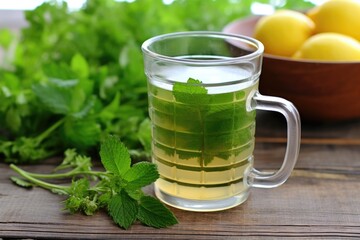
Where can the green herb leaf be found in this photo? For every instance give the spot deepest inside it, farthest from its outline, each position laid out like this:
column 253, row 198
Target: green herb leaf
column 56, row 99
column 13, row 119
column 21, row 182
column 26, row 150
column 123, row 209
column 81, row 198
column 86, row 108
column 115, row 156
column 153, row 213
column 140, row 175
column 191, row 92
column 81, row 133
column 80, row 66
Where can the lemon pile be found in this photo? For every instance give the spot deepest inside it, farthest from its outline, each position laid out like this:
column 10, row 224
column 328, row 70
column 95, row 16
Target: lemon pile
column 328, row 32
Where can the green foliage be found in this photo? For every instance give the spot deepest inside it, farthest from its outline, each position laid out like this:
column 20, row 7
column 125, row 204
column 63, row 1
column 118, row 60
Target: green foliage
column 117, row 190
column 85, row 68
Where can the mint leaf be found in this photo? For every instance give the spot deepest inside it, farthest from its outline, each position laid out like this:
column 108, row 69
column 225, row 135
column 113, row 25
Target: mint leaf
column 191, row 92
column 153, row 213
column 59, row 71
column 135, row 194
column 80, row 66
column 140, row 175
column 109, row 112
column 85, row 108
column 123, row 209
column 114, row 156
column 56, row 99
column 81, row 133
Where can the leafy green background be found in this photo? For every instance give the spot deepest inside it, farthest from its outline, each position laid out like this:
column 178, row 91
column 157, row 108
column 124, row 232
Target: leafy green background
column 74, row 76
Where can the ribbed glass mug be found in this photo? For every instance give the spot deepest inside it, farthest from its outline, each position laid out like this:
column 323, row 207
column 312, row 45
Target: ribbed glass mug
column 203, row 95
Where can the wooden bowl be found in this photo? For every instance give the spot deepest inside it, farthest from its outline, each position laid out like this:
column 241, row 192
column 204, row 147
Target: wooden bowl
column 321, row 91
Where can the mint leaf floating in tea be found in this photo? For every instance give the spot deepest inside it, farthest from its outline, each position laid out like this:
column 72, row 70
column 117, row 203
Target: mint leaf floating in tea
column 116, row 190
column 191, row 92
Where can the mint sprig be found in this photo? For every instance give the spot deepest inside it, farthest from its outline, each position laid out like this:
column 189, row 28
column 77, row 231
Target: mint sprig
column 118, row 189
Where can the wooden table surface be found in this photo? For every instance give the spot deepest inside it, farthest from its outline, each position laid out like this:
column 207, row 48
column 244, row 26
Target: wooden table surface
column 320, row 200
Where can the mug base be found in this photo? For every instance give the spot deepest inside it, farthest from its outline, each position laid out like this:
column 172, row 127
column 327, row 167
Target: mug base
column 201, row 205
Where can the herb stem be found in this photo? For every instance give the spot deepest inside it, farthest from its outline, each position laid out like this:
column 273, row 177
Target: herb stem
column 48, row 131
column 69, row 174
column 48, row 186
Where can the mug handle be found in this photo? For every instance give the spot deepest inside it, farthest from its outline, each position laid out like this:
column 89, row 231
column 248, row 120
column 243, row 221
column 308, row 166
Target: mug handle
column 255, row 178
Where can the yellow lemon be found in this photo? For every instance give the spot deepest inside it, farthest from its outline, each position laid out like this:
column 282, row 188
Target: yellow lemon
column 283, row 32
column 341, row 16
column 330, row 47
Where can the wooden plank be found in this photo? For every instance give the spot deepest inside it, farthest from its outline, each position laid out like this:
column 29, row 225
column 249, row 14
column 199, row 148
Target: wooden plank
column 311, row 157
column 319, row 200
column 261, row 216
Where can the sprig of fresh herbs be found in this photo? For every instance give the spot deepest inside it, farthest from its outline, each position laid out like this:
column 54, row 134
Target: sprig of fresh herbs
column 117, row 190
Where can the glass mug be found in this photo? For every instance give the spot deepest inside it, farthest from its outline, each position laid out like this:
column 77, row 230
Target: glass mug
column 203, row 93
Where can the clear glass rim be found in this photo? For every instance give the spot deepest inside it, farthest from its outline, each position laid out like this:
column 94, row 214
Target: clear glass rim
column 211, row 34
